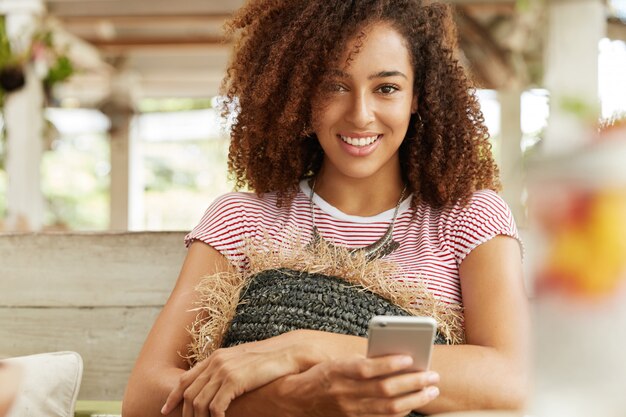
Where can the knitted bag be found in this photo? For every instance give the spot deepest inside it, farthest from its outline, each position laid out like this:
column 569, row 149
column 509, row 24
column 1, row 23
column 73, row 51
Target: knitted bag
column 281, row 300
column 277, row 301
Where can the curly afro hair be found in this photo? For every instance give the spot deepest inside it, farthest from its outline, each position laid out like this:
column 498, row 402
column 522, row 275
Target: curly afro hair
column 283, row 53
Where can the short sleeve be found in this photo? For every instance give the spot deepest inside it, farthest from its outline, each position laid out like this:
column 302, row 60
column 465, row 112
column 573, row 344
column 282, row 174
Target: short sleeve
column 485, row 216
column 223, row 227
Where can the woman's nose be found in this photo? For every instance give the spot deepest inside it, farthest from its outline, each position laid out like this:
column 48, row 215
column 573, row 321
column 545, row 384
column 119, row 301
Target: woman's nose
column 361, row 113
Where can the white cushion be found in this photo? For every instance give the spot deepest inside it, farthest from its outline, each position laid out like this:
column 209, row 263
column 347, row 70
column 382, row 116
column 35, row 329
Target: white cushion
column 49, row 384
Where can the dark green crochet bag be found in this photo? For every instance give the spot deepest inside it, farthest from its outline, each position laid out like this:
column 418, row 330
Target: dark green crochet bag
column 281, row 300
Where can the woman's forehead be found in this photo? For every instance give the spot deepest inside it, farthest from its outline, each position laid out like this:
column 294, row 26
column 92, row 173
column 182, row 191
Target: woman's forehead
column 377, row 49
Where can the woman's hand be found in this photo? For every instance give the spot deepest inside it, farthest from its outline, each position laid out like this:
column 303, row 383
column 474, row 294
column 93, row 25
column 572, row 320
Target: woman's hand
column 228, row 373
column 10, row 376
column 360, row 387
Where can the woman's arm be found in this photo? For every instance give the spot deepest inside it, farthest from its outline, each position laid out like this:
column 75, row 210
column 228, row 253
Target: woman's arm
column 159, row 366
column 329, row 371
column 349, row 387
column 491, row 370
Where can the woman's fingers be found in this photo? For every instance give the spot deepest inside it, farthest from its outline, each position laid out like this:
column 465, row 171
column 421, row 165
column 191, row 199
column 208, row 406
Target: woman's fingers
column 364, row 387
column 224, row 376
column 194, row 380
column 367, row 368
column 405, row 403
column 400, row 384
column 194, row 397
column 236, row 378
column 186, row 379
column 383, row 386
column 399, row 405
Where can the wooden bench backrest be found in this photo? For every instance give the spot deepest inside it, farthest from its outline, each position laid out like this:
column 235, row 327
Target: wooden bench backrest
column 94, row 293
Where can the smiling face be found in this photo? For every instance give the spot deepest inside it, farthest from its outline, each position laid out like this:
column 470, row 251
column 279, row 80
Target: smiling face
column 363, row 116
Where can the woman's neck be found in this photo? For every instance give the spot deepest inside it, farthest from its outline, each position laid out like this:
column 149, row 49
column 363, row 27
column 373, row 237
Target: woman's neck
column 359, row 197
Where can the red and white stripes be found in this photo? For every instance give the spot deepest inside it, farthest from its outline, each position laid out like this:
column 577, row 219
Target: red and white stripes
column 433, row 242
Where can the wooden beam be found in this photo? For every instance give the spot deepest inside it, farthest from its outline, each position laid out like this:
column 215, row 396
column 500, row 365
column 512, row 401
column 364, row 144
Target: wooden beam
column 64, row 8
column 488, row 60
column 149, row 42
column 616, row 29
column 144, row 20
column 483, row 35
column 481, row 2
column 503, row 7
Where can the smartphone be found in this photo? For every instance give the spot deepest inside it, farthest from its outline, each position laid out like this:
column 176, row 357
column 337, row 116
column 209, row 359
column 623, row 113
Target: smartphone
column 402, row 335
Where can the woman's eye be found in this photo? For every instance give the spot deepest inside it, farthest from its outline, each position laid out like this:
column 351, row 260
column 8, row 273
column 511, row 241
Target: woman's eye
column 337, row 88
column 388, row 89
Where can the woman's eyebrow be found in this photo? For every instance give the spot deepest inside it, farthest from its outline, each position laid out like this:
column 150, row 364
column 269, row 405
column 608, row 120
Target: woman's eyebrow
column 385, row 74
column 382, row 74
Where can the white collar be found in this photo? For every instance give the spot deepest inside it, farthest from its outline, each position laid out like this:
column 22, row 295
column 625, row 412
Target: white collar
column 385, row 216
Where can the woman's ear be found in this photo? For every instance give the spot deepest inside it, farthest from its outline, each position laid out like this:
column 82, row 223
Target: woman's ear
column 414, row 104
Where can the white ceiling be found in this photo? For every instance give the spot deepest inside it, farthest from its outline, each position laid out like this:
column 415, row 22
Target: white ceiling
column 174, row 48
column 168, row 48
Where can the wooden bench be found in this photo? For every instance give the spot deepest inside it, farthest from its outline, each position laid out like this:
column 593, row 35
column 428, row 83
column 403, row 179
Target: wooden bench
column 94, row 293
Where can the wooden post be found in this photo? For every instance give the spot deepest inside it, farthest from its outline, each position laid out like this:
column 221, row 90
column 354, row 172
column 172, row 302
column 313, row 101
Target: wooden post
column 120, row 109
column 23, row 113
column 511, row 164
column 571, row 76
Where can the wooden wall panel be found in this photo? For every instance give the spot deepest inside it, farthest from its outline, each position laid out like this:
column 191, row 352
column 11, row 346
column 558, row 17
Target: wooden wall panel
column 111, row 269
column 108, row 339
column 96, row 294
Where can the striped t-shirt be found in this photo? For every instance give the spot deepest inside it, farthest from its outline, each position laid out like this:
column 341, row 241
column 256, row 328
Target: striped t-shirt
column 433, row 242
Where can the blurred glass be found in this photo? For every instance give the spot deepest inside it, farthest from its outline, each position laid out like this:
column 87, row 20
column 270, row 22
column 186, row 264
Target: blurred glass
column 577, row 205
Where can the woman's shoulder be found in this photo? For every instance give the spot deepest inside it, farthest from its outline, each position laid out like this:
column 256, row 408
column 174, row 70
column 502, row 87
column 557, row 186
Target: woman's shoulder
column 229, row 215
column 240, row 200
column 487, row 196
column 483, row 209
column 483, row 216
column 486, row 201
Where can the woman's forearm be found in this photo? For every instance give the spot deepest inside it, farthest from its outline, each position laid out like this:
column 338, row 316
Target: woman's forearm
column 471, row 377
column 477, row 377
column 146, row 394
column 267, row 401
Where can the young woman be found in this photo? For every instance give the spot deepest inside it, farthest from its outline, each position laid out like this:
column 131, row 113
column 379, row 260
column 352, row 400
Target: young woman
column 353, row 124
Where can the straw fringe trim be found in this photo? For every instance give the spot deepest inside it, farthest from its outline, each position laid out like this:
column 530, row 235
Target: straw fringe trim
column 219, row 293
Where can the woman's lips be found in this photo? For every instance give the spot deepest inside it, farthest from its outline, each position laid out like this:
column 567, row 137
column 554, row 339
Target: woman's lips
column 358, row 150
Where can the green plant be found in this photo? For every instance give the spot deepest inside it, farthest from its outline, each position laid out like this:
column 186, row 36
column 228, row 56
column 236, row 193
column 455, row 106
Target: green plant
column 53, row 64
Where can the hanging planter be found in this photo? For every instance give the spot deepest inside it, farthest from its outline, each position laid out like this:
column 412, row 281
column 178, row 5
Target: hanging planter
column 51, row 65
column 12, row 78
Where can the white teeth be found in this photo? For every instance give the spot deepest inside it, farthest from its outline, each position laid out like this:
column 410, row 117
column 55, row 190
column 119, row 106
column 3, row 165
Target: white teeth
column 359, row 141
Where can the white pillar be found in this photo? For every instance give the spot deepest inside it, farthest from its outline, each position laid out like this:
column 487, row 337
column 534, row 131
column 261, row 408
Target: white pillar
column 511, row 163
column 23, row 112
column 571, row 75
column 120, row 110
